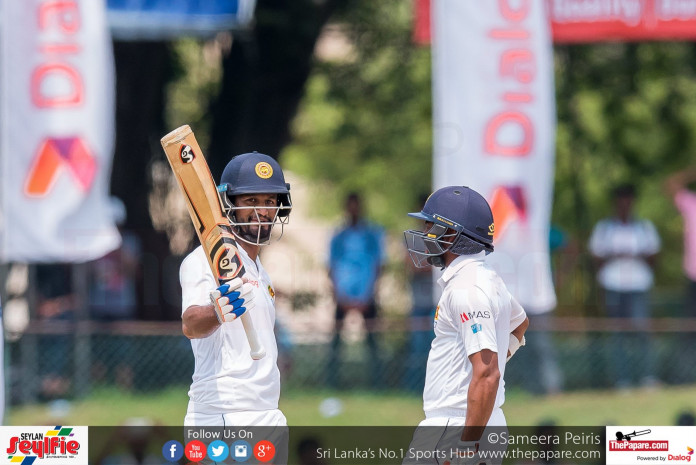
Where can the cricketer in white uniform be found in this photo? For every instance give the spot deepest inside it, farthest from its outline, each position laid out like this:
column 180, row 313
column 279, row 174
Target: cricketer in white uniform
column 478, row 326
column 229, row 388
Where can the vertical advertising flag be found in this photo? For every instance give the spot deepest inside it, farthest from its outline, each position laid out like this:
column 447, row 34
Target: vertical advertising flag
column 494, row 125
column 57, row 130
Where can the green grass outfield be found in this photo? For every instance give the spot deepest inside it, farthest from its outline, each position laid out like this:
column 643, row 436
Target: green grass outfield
column 590, row 408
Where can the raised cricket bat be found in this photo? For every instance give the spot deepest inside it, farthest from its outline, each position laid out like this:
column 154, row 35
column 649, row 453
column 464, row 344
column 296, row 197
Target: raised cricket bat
column 204, row 205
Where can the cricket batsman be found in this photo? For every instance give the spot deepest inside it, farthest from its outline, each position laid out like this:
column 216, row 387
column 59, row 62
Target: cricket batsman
column 229, row 388
column 478, row 326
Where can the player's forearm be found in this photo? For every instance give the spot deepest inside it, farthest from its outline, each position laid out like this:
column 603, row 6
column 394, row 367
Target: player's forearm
column 521, row 329
column 199, row 321
column 518, row 333
column 480, row 403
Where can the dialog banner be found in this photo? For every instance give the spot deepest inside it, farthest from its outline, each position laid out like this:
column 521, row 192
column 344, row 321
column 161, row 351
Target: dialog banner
column 57, row 103
column 494, row 129
column 602, row 20
column 579, row 21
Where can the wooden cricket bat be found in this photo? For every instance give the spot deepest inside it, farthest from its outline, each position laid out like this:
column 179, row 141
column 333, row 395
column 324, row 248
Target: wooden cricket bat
column 212, row 226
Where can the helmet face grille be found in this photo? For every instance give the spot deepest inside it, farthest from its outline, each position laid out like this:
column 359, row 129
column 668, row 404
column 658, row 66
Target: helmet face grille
column 258, row 227
column 422, row 245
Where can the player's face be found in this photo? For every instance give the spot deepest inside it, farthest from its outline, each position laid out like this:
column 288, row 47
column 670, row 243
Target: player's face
column 624, row 206
column 256, row 209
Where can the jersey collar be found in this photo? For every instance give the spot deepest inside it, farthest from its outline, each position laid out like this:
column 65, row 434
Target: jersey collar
column 246, row 259
column 459, row 263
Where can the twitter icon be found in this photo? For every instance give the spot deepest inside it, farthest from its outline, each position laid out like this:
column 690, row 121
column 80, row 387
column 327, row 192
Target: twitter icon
column 218, row 451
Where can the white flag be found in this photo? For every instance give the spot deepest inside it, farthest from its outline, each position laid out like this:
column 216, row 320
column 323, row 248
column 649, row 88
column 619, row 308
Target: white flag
column 57, row 131
column 494, row 124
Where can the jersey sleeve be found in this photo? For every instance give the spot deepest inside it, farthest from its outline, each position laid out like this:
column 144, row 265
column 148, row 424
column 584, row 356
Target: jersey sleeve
column 652, row 240
column 517, row 314
column 196, row 282
column 475, row 319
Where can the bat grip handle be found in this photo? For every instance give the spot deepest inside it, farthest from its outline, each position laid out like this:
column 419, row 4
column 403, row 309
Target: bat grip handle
column 257, row 350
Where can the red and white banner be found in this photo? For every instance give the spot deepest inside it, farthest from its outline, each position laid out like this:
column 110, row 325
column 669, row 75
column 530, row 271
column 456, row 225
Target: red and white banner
column 57, row 114
column 494, row 127
column 601, row 20
column 576, row 21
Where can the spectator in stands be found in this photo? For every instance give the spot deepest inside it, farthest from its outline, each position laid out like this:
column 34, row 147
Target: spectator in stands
column 112, row 277
column 685, row 418
column 356, row 259
column 112, row 297
column 625, row 249
column 677, row 187
column 56, row 302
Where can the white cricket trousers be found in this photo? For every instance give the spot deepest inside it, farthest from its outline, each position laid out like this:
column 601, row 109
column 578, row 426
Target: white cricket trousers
column 440, row 432
column 270, row 425
column 246, row 418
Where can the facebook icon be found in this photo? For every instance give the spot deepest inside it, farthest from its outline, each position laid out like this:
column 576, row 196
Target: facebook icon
column 172, row 451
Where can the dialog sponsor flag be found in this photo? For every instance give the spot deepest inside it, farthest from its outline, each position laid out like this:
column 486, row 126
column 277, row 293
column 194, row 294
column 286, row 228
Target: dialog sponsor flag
column 57, row 129
column 494, row 124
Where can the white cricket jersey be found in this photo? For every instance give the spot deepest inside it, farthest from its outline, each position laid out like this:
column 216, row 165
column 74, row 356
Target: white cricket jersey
column 225, row 378
column 475, row 312
column 627, row 244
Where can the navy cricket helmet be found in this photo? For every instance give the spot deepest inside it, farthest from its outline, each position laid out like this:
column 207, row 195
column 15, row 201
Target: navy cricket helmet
column 256, row 173
column 462, row 223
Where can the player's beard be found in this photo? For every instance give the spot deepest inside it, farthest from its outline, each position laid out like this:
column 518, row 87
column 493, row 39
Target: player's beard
column 250, row 232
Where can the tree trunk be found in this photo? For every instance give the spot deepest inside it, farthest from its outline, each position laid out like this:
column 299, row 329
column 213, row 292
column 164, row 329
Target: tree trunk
column 264, row 78
column 142, row 72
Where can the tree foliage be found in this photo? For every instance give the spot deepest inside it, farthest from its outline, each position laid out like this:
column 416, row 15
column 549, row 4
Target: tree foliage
column 365, row 121
column 626, row 113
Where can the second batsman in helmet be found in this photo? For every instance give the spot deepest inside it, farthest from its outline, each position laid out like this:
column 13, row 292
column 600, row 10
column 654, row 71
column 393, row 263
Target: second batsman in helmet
column 478, row 324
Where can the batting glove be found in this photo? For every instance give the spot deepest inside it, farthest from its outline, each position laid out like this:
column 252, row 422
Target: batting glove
column 231, row 300
column 514, row 345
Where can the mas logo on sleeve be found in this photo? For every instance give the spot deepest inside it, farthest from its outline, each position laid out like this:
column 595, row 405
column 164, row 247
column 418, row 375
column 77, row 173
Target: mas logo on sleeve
column 64, row 445
column 466, row 316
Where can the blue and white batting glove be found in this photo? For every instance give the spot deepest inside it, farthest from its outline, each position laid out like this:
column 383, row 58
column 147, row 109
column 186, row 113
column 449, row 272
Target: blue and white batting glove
column 232, row 299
